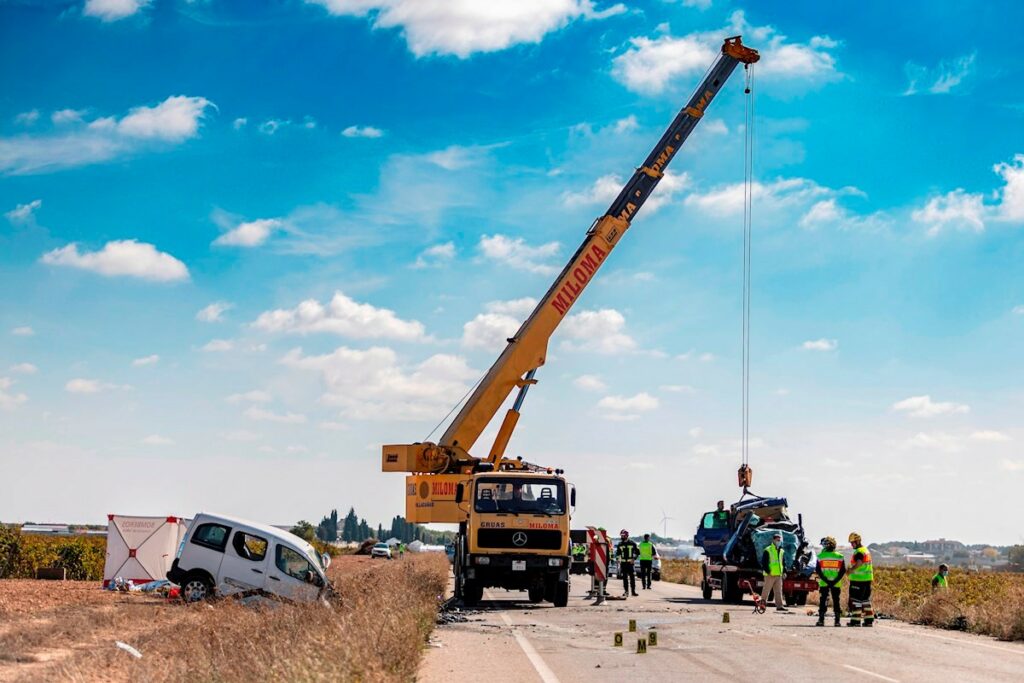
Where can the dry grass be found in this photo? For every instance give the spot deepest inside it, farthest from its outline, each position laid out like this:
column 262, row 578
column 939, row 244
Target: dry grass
column 376, row 634
column 681, row 571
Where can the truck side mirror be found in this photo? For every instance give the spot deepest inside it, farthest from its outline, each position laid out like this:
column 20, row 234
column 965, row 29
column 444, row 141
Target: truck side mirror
column 460, row 491
column 572, row 496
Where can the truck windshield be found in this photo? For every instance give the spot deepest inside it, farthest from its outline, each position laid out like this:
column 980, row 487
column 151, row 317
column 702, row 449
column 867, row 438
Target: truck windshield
column 513, row 494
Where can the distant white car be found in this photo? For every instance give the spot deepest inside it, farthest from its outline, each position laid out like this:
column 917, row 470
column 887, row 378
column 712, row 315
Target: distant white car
column 222, row 555
column 381, row 550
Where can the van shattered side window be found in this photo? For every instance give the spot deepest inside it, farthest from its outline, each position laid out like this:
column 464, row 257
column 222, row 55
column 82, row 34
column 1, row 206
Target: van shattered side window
column 249, row 547
column 294, row 564
column 214, row 536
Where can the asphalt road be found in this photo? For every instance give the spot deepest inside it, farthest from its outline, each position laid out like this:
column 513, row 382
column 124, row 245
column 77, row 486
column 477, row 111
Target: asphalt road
column 508, row 639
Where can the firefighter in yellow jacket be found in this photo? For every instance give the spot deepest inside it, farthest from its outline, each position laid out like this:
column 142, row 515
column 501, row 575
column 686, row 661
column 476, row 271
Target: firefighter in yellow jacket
column 861, row 576
column 831, row 569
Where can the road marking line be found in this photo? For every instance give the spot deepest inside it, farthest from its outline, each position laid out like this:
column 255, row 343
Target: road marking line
column 545, row 673
column 964, row 641
column 742, row 633
column 870, row 673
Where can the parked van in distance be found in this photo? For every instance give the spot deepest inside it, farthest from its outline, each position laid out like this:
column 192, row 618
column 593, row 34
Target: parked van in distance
column 222, row 555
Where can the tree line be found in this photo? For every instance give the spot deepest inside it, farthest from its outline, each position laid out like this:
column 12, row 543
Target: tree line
column 353, row 528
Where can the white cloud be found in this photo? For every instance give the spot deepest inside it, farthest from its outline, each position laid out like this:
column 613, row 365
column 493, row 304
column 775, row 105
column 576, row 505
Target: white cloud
column 213, row 312
column 626, row 125
column 157, row 440
column 371, row 384
column 937, row 441
column 113, row 10
column 342, row 316
column 1018, row 310
column 332, row 426
column 241, row 435
column 24, row 369
column 455, row 157
column 27, row 118
column 464, row 28
column 172, row 121
column 271, row 126
column 499, row 321
column 820, row 345
column 627, row 407
column 362, row 132
column 63, row 116
column 727, row 200
column 601, row 331
column 678, row 388
column 23, row 212
column 1012, row 465
column 254, row 396
column 705, row 357
column 956, row 209
column 822, row 212
column 254, row 413
column 437, row 255
column 695, row 432
column 90, row 386
column 650, row 65
column 146, row 360
column 969, row 211
column 218, row 346
column 714, row 127
column 23, row 331
column 516, row 253
column 990, row 435
column 121, row 257
column 239, row 123
column 9, row 400
column 942, row 79
column 590, row 383
column 250, row 233
column 923, row 406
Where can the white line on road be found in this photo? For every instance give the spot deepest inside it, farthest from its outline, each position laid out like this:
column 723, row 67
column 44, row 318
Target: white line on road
column 870, row 673
column 963, row 641
column 542, row 669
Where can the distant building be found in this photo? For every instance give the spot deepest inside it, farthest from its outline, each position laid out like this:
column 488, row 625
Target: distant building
column 46, row 529
column 943, row 547
column 920, row 558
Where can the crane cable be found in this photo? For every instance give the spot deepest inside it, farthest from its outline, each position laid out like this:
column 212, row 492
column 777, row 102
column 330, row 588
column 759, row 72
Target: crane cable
column 748, row 196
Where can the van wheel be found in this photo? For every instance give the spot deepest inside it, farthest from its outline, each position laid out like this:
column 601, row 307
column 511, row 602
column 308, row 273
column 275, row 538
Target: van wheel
column 196, row 588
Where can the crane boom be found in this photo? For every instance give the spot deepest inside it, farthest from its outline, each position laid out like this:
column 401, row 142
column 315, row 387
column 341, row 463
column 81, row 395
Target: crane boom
column 527, row 349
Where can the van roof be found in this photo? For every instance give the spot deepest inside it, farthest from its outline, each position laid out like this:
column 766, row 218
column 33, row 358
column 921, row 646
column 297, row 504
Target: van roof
column 267, row 529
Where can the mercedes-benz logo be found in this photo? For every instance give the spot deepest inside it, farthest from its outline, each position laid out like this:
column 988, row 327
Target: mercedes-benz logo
column 519, row 538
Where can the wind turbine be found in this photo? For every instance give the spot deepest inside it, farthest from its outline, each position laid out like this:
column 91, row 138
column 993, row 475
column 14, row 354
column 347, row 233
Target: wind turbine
column 664, row 523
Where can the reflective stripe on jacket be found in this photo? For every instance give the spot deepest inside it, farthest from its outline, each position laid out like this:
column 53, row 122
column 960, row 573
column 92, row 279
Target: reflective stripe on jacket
column 830, row 566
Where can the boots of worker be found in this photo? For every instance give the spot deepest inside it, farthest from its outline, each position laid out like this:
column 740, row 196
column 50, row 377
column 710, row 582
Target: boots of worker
column 821, row 621
column 838, row 622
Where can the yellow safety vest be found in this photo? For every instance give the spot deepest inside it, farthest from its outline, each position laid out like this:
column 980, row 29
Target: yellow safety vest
column 829, row 564
column 774, row 561
column 864, row 571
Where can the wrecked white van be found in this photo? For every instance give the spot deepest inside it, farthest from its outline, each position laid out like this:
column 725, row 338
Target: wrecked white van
column 223, row 556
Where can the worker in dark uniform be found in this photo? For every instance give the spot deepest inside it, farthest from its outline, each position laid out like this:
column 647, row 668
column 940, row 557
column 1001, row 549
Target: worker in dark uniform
column 861, row 576
column 831, row 569
column 721, row 516
column 627, row 552
column 647, row 554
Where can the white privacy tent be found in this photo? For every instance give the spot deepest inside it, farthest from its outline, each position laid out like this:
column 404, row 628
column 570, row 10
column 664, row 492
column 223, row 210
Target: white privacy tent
column 141, row 549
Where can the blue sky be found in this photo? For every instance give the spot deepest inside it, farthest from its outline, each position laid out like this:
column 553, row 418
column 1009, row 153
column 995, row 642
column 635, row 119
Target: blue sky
column 244, row 244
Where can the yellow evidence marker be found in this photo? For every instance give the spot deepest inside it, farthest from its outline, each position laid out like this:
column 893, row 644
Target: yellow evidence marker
column 725, row 617
column 641, row 646
column 618, row 639
column 632, row 625
column 652, row 638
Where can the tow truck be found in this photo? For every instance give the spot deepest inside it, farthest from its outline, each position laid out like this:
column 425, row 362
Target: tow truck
column 513, row 516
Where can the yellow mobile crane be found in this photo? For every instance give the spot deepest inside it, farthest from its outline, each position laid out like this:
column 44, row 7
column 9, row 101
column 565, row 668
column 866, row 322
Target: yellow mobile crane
column 514, row 516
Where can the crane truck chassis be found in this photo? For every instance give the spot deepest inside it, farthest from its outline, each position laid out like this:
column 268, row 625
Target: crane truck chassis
column 513, row 516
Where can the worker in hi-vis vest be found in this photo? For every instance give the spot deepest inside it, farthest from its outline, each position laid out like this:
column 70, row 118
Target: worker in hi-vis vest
column 940, row 581
column 626, row 553
column 647, row 554
column 830, row 570
column 771, row 565
column 861, row 575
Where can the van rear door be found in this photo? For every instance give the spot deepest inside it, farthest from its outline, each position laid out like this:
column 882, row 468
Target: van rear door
column 244, row 568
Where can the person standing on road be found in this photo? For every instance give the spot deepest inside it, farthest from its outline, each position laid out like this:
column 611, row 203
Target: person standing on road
column 771, row 565
column 940, row 582
column 831, row 569
column 647, row 554
column 626, row 552
column 861, row 575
